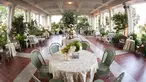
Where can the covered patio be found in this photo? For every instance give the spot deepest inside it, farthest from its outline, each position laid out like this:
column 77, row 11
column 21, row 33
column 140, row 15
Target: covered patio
column 72, row 41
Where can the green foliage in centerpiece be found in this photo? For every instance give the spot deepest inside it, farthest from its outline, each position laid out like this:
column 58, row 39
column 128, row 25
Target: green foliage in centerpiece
column 75, row 44
column 66, row 48
column 78, row 45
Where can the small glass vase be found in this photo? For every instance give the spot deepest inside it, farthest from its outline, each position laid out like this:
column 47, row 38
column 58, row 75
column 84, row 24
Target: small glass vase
column 67, row 56
column 75, row 55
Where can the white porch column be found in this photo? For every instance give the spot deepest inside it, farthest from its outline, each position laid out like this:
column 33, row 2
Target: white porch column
column 89, row 20
column 128, row 11
column 45, row 21
column 42, row 19
column 50, row 23
column 100, row 20
column 94, row 22
column 29, row 16
column 36, row 16
column 110, row 19
column 38, row 19
column 25, row 15
column 11, row 9
column 103, row 19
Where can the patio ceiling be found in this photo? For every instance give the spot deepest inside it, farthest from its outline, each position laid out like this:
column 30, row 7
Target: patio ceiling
column 59, row 6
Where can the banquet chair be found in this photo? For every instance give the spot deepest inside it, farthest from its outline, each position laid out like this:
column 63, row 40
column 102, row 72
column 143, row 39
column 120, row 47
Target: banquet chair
column 107, row 59
column 122, row 41
column 11, row 48
column 38, row 61
column 52, row 80
column 54, row 47
column 33, row 40
column 141, row 49
column 35, row 78
column 110, row 36
column 85, row 45
column 118, row 79
column 56, row 80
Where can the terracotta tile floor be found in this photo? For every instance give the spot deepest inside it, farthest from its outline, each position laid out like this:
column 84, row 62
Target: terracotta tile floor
column 10, row 70
column 132, row 64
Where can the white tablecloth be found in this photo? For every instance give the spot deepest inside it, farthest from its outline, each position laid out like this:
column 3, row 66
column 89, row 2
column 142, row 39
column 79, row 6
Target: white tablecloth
column 74, row 70
column 11, row 47
column 66, row 41
column 129, row 45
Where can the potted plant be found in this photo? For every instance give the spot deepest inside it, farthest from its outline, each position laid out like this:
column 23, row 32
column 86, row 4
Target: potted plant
column 55, row 27
column 143, row 38
column 19, row 28
column 21, row 38
column 69, row 18
column 134, row 37
column 3, row 36
column 86, row 32
column 103, row 32
column 121, row 21
column 82, row 23
column 115, row 39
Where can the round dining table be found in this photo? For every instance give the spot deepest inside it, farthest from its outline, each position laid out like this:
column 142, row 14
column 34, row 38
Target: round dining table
column 74, row 70
column 129, row 45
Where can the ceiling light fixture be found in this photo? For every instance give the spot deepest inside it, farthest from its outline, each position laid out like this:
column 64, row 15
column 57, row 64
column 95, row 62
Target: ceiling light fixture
column 70, row 3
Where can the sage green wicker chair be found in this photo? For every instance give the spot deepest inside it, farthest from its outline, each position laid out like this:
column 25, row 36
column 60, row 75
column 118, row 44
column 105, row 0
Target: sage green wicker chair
column 56, row 80
column 107, row 59
column 38, row 61
column 52, row 80
column 118, row 79
column 35, row 79
column 85, row 45
column 54, row 47
column 98, row 80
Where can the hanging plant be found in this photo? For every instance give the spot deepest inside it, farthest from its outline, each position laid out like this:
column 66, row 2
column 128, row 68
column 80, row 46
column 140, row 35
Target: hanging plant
column 120, row 20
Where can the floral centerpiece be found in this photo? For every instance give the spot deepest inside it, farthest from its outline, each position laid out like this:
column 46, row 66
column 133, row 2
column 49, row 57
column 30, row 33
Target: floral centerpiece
column 74, row 46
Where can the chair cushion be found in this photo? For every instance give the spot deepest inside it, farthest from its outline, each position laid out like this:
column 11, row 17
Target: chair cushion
column 44, row 72
column 56, row 80
column 98, row 80
column 44, row 68
column 103, row 67
column 45, row 75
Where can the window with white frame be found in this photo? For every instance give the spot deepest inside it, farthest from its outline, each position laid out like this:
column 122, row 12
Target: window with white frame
column 139, row 18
